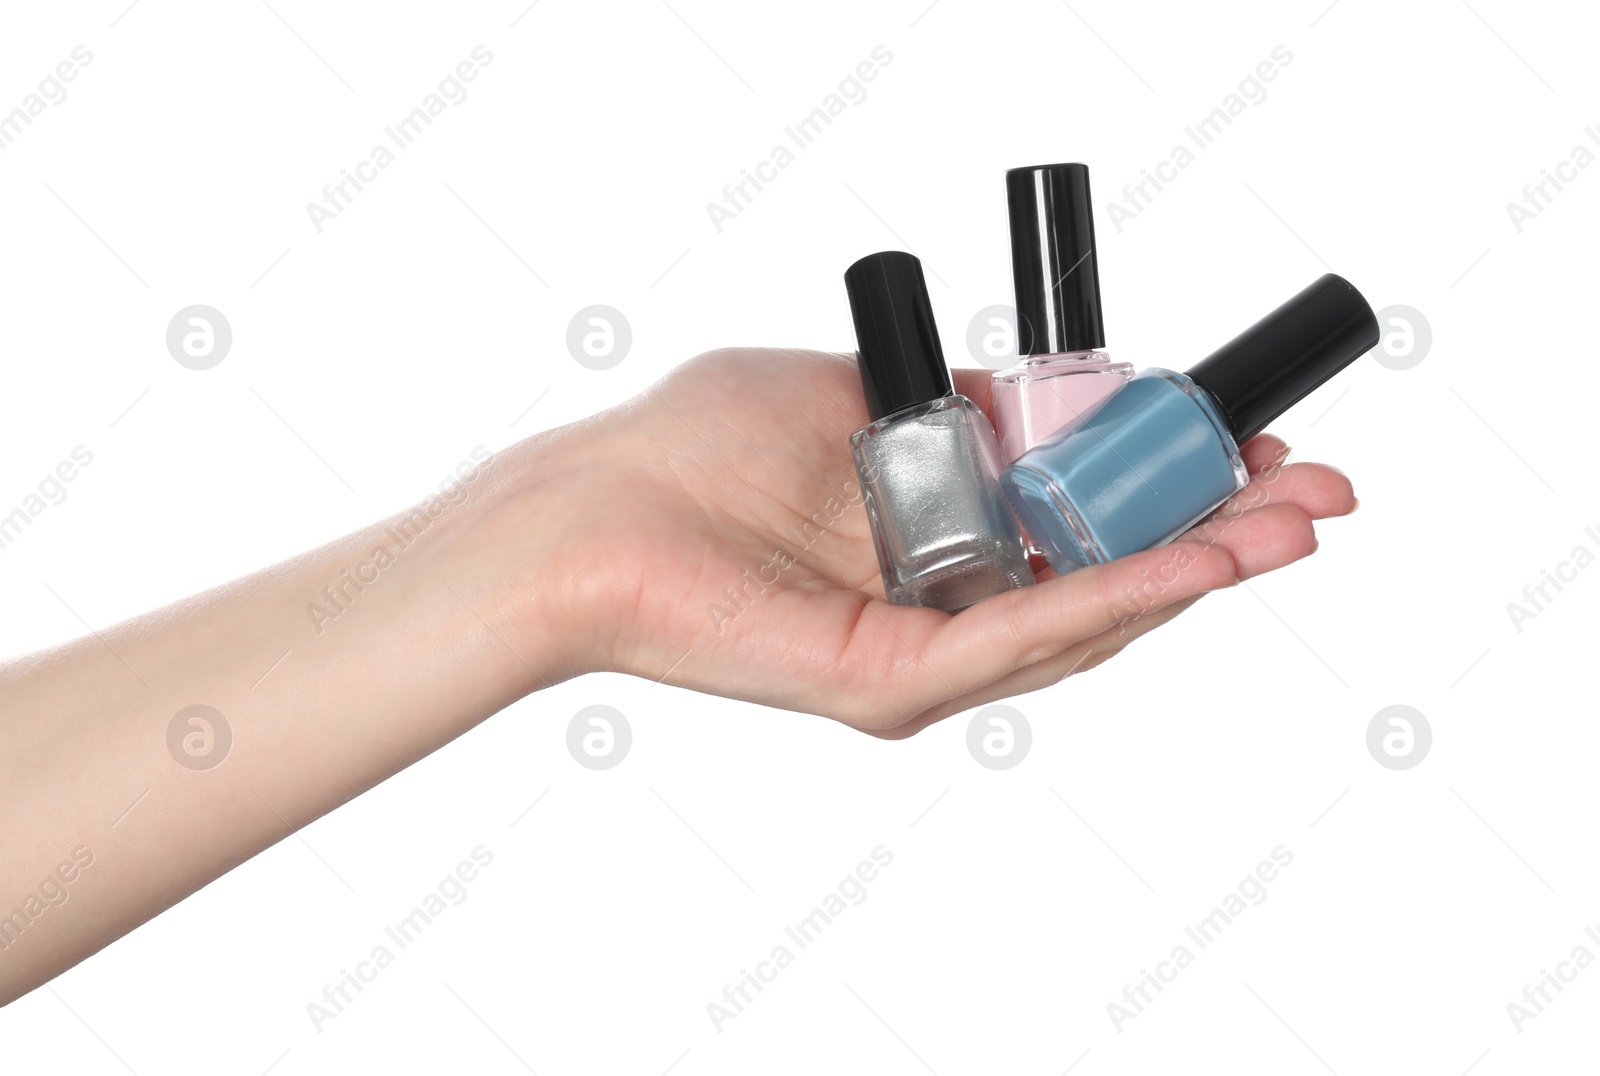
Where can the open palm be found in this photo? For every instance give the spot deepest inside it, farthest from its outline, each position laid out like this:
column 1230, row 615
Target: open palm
column 725, row 549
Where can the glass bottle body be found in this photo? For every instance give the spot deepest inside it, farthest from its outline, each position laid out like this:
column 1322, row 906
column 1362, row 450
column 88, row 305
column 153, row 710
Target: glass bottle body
column 944, row 534
column 1152, row 460
column 1044, row 393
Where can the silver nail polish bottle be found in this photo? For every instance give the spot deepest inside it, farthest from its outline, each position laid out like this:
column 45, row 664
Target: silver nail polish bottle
column 928, row 460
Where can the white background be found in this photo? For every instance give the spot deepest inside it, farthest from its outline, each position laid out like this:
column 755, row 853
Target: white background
column 428, row 317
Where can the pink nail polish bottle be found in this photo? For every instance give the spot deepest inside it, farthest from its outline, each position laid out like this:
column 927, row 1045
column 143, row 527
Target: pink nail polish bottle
column 1064, row 375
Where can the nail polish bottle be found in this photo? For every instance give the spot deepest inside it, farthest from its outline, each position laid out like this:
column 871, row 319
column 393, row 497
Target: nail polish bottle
column 1162, row 453
column 928, row 460
column 1063, row 374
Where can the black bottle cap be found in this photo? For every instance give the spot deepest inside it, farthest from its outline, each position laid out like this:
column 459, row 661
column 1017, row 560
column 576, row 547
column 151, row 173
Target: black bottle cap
column 1275, row 363
column 897, row 342
column 1052, row 259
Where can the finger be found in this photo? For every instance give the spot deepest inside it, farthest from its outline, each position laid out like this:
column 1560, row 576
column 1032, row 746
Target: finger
column 1080, row 658
column 910, row 659
column 1132, row 596
column 1320, row 490
column 1112, row 640
column 1259, row 541
column 1263, row 450
column 1013, row 630
column 1315, row 491
column 955, row 657
column 1036, row 677
column 976, row 385
column 985, row 653
column 1266, row 539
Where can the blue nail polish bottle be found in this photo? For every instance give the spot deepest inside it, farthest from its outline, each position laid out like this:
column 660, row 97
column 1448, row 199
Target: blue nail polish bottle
column 1162, row 452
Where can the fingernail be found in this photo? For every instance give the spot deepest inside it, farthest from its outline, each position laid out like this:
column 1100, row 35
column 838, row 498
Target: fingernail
column 1355, row 502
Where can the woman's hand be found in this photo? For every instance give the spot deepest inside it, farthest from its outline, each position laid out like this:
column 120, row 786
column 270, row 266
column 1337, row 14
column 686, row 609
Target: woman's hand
column 709, row 533
column 712, row 535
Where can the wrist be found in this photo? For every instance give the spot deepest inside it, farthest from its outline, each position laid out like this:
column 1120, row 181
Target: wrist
column 509, row 567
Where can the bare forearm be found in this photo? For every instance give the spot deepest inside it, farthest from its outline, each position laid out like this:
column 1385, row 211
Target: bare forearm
column 321, row 677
